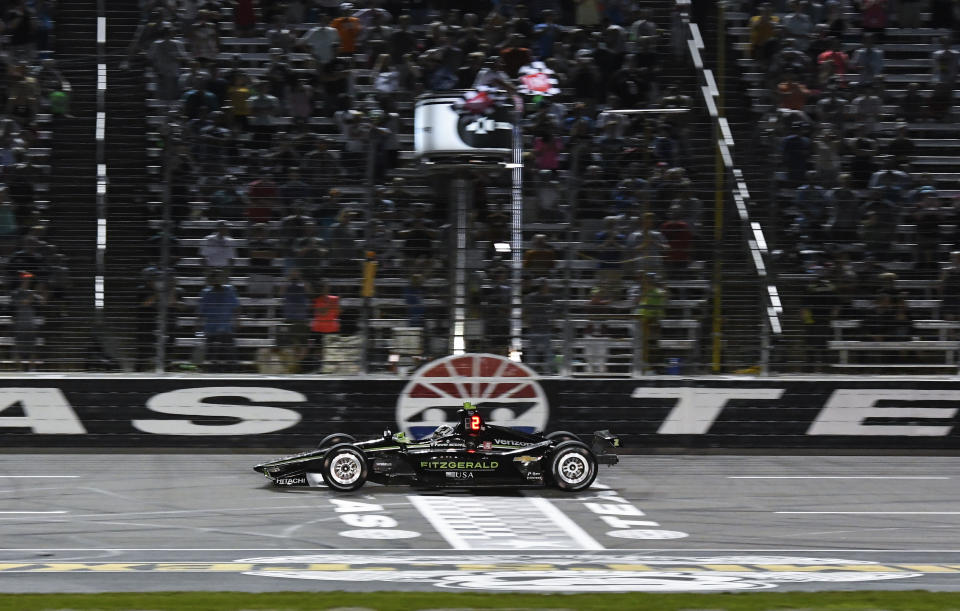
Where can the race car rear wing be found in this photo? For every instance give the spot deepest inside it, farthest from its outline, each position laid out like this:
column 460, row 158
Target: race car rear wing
column 603, row 447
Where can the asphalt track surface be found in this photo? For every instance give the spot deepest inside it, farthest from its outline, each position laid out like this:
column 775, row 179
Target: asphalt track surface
column 91, row 523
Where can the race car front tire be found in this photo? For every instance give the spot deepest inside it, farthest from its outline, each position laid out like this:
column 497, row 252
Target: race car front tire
column 573, row 466
column 329, row 440
column 344, row 468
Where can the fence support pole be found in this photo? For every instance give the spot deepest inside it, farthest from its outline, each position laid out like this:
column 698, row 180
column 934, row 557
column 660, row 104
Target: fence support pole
column 718, row 211
column 164, row 297
column 460, row 188
column 570, row 255
column 516, row 237
column 764, row 333
column 639, row 361
column 374, row 142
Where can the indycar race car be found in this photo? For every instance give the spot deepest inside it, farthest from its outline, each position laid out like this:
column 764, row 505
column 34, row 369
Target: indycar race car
column 472, row 454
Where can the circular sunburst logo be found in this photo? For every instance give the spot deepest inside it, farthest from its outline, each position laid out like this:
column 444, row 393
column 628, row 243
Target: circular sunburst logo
column 507, row 391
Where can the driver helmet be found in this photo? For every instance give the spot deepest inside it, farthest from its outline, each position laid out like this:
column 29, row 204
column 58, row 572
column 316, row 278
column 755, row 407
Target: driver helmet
column 444, row 430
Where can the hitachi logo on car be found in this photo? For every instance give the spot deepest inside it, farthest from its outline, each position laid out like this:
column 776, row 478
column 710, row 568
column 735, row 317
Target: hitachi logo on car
column 459, row 465
column 292, row 481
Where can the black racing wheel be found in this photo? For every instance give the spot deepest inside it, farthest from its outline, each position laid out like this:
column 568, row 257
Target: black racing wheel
column 573, row 466
column 335, row 438
column 344, row 468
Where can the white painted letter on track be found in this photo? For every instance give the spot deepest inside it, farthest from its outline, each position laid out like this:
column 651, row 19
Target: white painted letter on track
column 615, row 522
column 348, row 506
column 254, row 419
column 366, row 520
column 616, row 510
column 46, row 411
column 847, row 411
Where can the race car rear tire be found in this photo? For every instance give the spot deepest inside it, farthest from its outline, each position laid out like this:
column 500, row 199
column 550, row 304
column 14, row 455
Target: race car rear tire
column 344, row 468
column 330, row 440
column 559, row 436
column 573, row 466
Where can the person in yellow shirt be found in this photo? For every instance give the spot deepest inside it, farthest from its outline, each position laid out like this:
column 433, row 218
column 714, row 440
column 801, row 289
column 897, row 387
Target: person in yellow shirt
column 650, row 300
column 762, row 28
column 238, row 93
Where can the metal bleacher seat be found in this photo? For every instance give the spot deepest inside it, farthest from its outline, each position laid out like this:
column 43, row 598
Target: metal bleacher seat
column 242, row 321
column 942, row 327
column 241, row 342
column 844, row 347
column 930, row 305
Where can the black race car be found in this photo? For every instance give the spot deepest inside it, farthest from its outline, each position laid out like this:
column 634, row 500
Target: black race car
column 473, row 454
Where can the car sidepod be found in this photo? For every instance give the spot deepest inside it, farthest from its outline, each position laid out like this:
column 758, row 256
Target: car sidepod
column 479, row 468
column 444, row 467
column 530, row 467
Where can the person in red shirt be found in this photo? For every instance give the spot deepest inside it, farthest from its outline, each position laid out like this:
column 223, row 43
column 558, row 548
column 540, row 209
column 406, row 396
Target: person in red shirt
column 680, row 238
column 348, row 28
column 793, row 95
column 874, row 16
column 326, row 319
column 261, row 200
column 546, row 152
column 833, row 64
column 244, row 17
column 515, row 55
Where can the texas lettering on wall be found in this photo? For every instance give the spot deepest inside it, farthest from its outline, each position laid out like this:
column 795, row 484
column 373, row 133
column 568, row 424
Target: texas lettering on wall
column 73, row 412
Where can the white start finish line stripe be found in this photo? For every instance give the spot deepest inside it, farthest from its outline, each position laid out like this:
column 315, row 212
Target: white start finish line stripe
column 29, row 512
column 502, row 523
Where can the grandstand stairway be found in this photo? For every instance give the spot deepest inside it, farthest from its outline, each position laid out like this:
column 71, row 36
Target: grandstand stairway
column 739, row 288
column 72, row 189
column 127, row 214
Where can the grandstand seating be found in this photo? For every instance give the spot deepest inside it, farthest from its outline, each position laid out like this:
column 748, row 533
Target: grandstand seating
column 260, row 323
column 926, row 343
column 29, row 185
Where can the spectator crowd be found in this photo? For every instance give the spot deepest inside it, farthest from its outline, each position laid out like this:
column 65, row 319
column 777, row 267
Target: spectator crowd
column 36, row 94
column 272, row 111
column 852, row 119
